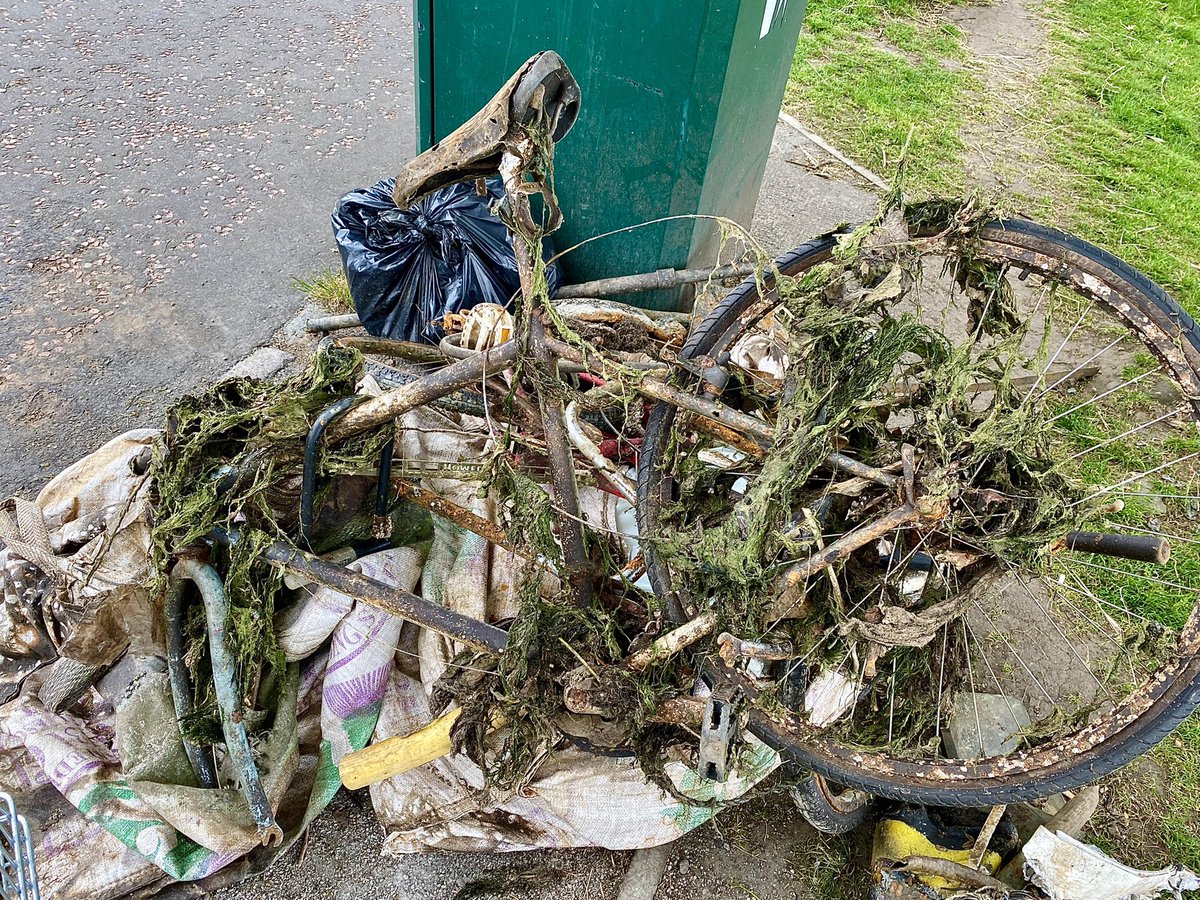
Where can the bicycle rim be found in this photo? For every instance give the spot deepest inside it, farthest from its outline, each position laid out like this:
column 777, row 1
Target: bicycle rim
column 1109, row 437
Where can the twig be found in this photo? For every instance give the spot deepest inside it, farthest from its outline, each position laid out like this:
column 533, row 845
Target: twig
column 673, row 641
column 834, row 152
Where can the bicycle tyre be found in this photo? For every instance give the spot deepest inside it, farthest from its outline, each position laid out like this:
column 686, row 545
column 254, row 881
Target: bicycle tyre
column 1141, row 721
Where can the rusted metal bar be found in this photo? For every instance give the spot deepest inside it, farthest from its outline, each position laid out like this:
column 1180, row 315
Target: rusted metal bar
column 229, row 699
column 673, row 641
column 471, row 632
column 459, row 515
column 660, row 280
column 734, row 439
column 601, row 463
column 382, row 409
column 1140, row 548
column 332, row 323
column 410, row 350
column 568, row 523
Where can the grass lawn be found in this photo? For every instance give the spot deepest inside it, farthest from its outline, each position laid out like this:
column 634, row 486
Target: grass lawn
column 1117, row 114
column 1113, row 119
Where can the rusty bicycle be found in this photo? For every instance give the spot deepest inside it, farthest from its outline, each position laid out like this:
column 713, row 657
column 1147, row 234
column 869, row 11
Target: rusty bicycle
column 907, row 481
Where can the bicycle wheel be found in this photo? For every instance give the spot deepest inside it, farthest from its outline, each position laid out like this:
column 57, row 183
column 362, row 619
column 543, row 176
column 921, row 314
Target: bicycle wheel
column 1040, row 398
column 829, row 810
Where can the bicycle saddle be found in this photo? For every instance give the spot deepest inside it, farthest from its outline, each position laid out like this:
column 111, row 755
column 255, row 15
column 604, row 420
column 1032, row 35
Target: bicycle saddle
column 543, row 91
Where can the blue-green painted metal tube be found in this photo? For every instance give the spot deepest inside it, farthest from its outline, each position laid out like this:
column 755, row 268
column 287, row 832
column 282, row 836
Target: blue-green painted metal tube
column 312, row 448
column 216, row 606
column 177, row 675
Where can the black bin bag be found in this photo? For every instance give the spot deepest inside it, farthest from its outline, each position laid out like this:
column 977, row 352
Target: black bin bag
column 408, row 268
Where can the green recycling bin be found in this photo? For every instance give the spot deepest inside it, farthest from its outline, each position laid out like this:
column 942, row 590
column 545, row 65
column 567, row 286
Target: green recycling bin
column 680, row 100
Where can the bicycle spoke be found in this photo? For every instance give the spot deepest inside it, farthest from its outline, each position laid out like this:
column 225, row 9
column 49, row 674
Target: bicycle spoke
column 1124, row 434
column 1099, row 397
column 1062, row 634
column 1138, row 477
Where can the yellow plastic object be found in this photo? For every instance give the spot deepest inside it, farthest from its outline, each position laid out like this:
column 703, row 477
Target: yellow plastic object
column 398, row 754
column 896, row 840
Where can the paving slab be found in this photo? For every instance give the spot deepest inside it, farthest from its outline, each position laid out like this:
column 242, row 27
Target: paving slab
column 805, row 193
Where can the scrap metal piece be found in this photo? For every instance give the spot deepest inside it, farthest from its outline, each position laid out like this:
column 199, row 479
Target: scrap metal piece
column 717, row 731
column 229, row 700
column 1064, row 868
column 177, row 676
column 471, row 632
column 18, row 868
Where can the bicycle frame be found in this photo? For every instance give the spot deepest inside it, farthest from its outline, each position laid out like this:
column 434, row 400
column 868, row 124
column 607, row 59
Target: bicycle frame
column 539, row 350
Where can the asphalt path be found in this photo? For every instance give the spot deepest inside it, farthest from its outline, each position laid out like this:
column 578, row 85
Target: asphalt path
column 166, row 170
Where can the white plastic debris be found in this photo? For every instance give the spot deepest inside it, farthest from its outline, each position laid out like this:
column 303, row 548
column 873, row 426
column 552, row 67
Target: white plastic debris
column 829, row 697
column 483, row 326
column 758, row 354
column 1066, row 869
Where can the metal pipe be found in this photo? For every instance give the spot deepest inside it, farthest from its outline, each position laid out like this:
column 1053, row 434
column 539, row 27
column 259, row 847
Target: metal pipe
column 568, row 523
column 471, row 632
column 410, row 350
column 312, row 447
column 1126, row 546
column 332, row 323
column 599, row 461
column 177, row 676
column 386, row 407
column 660, row 280
column 459, row 515
column 224, row 668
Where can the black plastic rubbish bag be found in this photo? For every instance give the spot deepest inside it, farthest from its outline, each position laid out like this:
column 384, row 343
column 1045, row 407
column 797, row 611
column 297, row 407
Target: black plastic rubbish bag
column 408, row 268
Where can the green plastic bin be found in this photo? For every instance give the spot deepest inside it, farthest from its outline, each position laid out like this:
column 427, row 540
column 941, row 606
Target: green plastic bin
column 680, row 100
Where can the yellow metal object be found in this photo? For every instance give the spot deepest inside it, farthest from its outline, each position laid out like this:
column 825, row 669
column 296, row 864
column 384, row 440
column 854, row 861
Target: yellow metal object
column 398, row 754
column 896, row 840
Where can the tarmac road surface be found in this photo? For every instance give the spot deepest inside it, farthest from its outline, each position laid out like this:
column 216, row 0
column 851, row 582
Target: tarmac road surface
column 165, row 171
